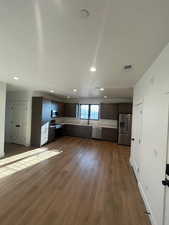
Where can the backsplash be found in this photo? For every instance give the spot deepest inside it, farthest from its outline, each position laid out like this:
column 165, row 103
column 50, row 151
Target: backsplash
column 59, row 120
column 72, row 120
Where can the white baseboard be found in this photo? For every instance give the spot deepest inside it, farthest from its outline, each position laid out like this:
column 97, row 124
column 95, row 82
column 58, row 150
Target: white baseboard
column 147, row 204
column 2, row 155
column 134, row 166
column 143, row 194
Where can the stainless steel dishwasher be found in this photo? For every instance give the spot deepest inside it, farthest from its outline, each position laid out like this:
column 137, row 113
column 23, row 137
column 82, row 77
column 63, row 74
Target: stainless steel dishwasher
column 96, row 132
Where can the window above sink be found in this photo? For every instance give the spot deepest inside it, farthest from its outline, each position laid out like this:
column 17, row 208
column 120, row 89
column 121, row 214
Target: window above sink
column 89, row 111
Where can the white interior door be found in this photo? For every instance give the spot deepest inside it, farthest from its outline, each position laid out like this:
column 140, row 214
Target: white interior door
column 137, row 136
column 18, row 123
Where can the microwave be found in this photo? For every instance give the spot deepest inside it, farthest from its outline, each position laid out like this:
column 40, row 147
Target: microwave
column 54, row 114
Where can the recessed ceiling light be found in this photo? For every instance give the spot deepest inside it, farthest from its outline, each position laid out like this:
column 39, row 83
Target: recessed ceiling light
column 74, row 90
column 105, row 96
column 16, row 78
column 52, row 91
column 101, row 89
column 93, row 69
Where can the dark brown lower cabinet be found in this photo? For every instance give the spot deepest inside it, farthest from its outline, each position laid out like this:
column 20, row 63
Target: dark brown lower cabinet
column 51, row 136
column 110, row 134
column 77, row 131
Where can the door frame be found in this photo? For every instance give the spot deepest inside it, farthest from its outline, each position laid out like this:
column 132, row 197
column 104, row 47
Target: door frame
column 166, row 161
column 132, row 158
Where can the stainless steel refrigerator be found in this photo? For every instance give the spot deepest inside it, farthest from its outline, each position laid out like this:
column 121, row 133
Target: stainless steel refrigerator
column 124, row 137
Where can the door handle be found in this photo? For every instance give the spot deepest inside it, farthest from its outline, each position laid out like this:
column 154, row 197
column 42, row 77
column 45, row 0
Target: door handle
column 167, row 169
column 165, row 182
column 133, row 139
column 17, row 125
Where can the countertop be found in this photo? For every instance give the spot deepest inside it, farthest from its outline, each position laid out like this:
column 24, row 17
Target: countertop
column 90, row 125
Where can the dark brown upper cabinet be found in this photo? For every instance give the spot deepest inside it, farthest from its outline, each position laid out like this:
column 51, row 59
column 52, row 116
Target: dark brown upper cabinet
column 70, row 109
column 58, row 107
column 109, row 111
column 61, row 108
column 125, row 108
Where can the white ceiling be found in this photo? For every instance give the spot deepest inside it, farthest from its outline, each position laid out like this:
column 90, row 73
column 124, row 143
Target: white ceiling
column 50, row 46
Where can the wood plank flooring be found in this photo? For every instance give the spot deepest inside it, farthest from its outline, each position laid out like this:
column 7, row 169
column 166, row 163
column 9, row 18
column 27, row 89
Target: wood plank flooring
column 89, row 183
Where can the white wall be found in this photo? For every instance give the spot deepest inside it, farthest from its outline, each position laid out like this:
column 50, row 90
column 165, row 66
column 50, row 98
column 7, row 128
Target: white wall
column 151, row 90
column 2, row 116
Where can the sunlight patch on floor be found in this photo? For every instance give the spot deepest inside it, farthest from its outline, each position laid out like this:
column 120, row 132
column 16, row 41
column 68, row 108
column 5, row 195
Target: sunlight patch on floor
column 22, row 155
column 26, row 160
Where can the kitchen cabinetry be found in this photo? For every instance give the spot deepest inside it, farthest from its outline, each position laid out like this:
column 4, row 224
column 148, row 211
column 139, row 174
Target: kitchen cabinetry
column 55, row 131
column 78, row 131
column 61, row 108
column 125, row 108
column 109, row 111
column 41, row 116
column 70, row 109
column 52, row 133
column 59, row 132
column 58, row 107
column 109, row 134
column 41, row 133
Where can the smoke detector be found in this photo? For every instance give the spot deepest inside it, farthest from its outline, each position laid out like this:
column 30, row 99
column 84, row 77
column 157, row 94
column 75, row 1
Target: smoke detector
column 84, row 13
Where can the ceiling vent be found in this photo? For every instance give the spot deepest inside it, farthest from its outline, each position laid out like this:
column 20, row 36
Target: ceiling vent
column 127, row 67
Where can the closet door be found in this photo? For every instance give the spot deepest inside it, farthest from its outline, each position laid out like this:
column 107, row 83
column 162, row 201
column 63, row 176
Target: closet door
column 18, row 124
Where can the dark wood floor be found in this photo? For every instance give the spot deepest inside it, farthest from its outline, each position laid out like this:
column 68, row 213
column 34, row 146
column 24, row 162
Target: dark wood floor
column 90, row 183
column 14, row 149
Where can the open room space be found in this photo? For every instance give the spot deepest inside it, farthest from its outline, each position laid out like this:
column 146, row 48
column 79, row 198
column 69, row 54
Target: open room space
column 89, row 182
column 84, row 112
